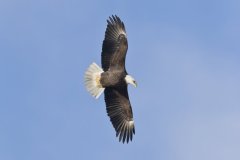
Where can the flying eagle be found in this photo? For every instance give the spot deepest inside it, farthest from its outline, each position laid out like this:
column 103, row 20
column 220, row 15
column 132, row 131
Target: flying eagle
column 113, row 79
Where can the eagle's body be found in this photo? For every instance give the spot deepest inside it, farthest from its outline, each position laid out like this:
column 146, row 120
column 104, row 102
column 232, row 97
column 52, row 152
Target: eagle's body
column 113, row 79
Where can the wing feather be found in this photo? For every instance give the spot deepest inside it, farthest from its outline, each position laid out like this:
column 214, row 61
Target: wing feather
column 115, row 45
column 120, row 112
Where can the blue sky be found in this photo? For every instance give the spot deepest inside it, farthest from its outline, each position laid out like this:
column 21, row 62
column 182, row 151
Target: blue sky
column 185, row 56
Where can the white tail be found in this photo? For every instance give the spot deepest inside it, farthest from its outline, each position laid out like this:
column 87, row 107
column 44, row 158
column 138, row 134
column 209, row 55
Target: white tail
column 92, row 80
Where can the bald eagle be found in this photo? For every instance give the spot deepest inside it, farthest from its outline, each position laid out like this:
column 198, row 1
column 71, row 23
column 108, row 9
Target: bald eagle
column 113, row 79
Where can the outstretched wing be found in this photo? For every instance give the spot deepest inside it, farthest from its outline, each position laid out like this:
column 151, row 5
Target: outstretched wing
column 115, row 44
column 120, row 112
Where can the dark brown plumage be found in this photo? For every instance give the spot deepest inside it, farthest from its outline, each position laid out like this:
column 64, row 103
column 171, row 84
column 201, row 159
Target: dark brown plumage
column 115, row 45
column 114, row 51
column 114, row 79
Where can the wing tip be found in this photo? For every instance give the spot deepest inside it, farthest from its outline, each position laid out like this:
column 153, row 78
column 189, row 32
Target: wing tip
column 126, row 132
column 115, row 21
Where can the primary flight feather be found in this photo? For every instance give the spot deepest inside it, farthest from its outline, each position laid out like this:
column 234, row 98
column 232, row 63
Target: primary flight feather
column 113, row 79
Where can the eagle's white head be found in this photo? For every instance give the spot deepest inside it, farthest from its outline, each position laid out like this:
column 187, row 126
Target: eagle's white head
column 130, row 80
